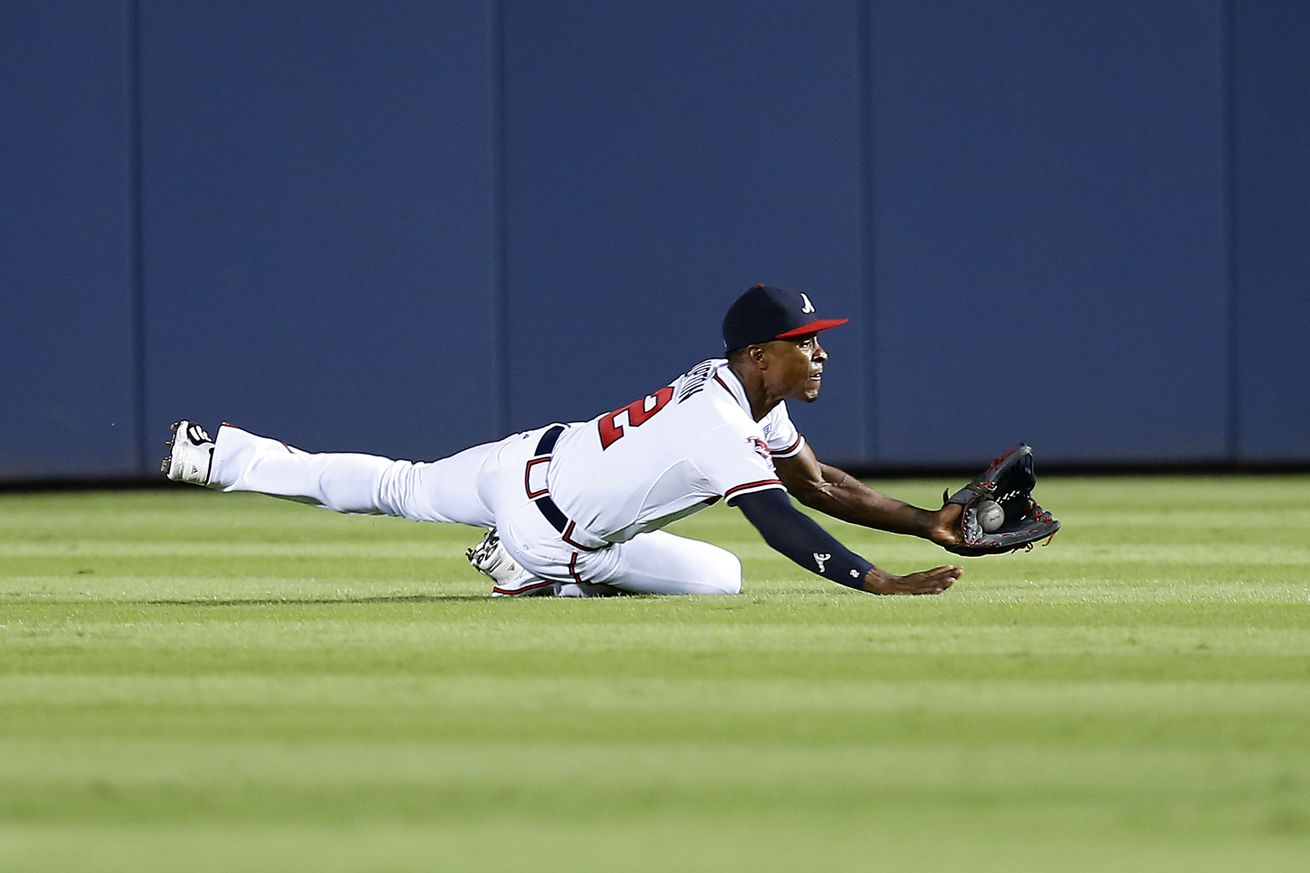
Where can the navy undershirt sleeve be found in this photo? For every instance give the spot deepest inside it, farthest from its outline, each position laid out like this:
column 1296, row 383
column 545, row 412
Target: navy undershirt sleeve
column 798, row 537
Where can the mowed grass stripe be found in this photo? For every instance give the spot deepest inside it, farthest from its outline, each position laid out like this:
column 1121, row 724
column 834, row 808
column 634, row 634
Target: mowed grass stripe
column 651, row 841
column 1206, row 554
column 737, row 694
column 249, row 781
column 222, row 627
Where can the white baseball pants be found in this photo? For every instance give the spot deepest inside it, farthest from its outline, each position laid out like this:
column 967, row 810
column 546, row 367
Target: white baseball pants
column 481, row 486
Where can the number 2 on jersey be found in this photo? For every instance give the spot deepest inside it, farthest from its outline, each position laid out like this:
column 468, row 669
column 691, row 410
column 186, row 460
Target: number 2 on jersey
column 638, row 413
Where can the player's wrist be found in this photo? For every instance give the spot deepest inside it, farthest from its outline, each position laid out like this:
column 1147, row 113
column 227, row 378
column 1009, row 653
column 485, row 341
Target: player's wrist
column 878, row 581
column 872, row 580
column 942, row 526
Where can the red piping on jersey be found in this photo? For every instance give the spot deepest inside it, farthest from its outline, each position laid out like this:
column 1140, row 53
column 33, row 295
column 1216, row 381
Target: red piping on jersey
column 567, row 536
column 790, row 448
column 573, row 569
column 727, row 495
column 725, row 385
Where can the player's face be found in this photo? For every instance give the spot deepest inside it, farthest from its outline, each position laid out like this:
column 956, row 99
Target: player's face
column 796, row 367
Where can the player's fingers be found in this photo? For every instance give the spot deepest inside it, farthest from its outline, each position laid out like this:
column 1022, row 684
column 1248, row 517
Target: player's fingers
column 946, row 582
column 938, row 579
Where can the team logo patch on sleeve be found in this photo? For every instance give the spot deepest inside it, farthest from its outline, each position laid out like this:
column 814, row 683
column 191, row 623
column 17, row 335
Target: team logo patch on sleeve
column 761, row 448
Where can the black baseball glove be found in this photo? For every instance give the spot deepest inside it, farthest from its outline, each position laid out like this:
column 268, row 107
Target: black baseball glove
column 1009, row 481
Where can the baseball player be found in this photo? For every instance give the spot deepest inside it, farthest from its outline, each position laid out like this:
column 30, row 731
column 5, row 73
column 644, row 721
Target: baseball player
column 577, row 509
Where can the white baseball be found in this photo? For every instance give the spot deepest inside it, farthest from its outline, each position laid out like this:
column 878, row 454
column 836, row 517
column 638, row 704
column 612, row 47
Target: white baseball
column 990, row 515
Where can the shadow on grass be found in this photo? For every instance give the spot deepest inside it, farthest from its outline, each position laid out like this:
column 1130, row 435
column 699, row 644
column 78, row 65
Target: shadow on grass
column 297, row 601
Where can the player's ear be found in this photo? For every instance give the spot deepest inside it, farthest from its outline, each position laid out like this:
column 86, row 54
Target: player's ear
column 756, row 354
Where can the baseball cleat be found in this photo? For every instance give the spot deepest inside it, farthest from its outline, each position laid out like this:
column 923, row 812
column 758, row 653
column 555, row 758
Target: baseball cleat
column 490, row 558
column 190, row 454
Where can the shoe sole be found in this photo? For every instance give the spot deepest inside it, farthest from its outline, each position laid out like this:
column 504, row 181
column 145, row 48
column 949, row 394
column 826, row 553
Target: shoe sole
column 167, row 464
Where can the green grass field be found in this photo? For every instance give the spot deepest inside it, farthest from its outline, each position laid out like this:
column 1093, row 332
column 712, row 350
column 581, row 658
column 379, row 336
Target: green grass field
column 202, row 682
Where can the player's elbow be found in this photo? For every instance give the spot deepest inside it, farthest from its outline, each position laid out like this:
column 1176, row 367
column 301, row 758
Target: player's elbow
column 809, row 492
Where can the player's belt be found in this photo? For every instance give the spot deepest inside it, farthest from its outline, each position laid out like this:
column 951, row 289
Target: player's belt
column 546, row 445
column 541, row 496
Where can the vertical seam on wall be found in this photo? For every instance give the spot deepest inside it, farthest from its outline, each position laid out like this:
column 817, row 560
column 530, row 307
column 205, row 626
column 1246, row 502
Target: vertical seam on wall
column 136, row 208
column 1229, row 134
column 869, row 447
column 499, row 208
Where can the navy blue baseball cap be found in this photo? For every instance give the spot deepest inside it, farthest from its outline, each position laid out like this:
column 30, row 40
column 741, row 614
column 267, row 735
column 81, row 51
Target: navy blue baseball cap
column 766, row 313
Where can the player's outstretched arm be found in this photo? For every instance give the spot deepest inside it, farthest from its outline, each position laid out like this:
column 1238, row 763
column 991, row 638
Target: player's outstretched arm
column 839, row 494
column 796, row 535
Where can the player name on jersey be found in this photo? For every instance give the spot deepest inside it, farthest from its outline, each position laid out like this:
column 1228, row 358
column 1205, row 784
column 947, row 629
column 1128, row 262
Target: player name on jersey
column 696, row 379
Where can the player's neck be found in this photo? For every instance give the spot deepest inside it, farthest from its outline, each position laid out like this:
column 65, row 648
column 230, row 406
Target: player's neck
column 757, row 393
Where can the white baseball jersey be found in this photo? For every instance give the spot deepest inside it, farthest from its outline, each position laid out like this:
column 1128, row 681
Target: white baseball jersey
column 668, row 455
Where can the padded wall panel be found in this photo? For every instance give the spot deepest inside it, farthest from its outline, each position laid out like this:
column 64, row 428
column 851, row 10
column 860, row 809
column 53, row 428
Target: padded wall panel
column 319, row 228
column 660, row 159
column 1272, row 162
column 66, row 340
column 1048, row 186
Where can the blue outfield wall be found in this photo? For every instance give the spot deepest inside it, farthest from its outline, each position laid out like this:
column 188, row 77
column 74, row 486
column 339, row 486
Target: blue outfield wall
column 319, row 234
column 68, row 372
column 1049, row 190
column 411, row 227
column 1271, row 221
column 659, row 159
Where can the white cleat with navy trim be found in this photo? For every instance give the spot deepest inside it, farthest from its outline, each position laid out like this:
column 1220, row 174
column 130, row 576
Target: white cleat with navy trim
column 190, row 454
column 490, row 558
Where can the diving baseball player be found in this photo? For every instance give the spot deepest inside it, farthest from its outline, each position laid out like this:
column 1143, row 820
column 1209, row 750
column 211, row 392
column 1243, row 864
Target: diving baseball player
column 577, row 509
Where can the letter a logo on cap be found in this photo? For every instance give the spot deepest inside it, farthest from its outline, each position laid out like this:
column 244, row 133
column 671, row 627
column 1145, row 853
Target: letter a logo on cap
column 766, row 313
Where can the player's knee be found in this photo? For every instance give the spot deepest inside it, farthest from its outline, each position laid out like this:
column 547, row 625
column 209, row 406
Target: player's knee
column 395, row 488
column 726, row 575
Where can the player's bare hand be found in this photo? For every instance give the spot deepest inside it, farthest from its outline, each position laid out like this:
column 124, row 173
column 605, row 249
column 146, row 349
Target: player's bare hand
column 933, row 581
column 945, row 527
